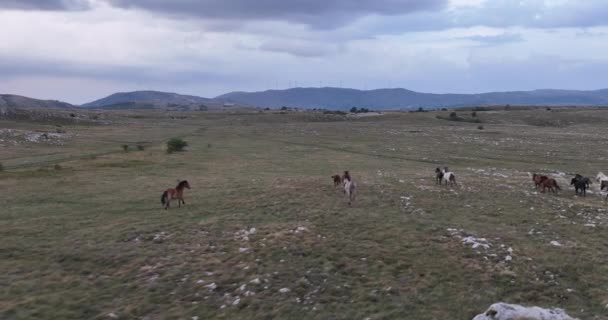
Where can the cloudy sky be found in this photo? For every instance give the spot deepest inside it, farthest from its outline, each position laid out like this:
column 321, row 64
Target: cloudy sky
column 81, row 50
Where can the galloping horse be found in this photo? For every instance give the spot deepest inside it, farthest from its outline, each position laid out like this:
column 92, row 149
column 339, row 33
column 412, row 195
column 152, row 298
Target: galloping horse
column 538, row 179
column 580, row 184
column 177, row 193
column 337, row 180
column 551, row 184
column 350, row 187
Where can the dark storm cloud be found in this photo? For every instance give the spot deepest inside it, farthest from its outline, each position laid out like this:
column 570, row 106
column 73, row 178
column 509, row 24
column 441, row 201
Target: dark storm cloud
column 315, row 13
column 44, row 4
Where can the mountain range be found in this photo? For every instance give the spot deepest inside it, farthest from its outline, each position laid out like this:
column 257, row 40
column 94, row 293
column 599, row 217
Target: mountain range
column 325, row 98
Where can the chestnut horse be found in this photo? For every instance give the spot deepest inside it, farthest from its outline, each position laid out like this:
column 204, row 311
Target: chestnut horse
column 177, row 193
column 551, row 184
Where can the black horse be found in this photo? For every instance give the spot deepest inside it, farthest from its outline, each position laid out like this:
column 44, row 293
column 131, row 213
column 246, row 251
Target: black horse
column 438, row 175
column 580, row 185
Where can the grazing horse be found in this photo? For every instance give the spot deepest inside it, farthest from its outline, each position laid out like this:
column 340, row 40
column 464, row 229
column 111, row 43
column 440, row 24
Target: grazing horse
column 438, row 176
column 538, row 179
column 177, row 193
column 579, row 184
column 551, row 184
column 448, row 177
column 337, row 180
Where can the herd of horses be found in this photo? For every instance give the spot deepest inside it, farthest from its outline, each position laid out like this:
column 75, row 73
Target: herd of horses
column 442, row 177
column 580, row 183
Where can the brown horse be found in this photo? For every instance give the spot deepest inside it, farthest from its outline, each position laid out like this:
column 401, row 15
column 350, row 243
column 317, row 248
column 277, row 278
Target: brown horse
column 177, row 193
column 551, row 184
column 538, row 179
column 337, row 180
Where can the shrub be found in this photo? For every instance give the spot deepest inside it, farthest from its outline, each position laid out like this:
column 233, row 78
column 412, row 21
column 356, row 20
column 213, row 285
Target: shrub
column 453, row 115
column 353, row 110
column 474, row 114
column 125, row 147
column 57, row 167
column 176, row 145
column 1, row 167
column 480, row 127
column 141, row 147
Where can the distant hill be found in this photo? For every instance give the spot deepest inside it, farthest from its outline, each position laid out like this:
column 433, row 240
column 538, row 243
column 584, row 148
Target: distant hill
column 149, row 99
column 15, row 101
column 395, row 99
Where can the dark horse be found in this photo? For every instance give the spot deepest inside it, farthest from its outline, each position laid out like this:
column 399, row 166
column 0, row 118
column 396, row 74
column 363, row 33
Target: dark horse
column 580, row 187
column 337, row 180
column 177, row 193
column 538, row 179
column 438, row 175
column 551, row 184
column 581, row 184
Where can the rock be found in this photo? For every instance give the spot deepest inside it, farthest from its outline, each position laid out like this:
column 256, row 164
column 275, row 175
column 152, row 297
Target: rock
column 555, row 243
column 255, row 281
column 284, row 290
column 112, row 315
column 504, row 311
column 211, row 286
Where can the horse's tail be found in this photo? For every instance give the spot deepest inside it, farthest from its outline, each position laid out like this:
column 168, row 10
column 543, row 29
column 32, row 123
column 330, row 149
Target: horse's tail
column 163, row 197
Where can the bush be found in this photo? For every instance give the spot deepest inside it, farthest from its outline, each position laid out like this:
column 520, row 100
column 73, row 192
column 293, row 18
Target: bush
column 176, row 145
column 353, row 110
column 141, row 147
column 57, row 167
column 1, row 167
column 480, row 127
column 474, row 114
column 125, row 147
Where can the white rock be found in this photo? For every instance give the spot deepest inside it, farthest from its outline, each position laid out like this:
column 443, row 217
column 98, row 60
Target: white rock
column 504, row 311
column 508, row 258
column 555, row 243
column 211, row 286
column 252, row 230
column 255, row 281
column 243, row 250
column 284, row 290
column 236, row 302
column 243, row 287
column 112, row 315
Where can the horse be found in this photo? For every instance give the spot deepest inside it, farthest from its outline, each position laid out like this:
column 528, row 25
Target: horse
column 346, row 176
column 350, row 188
column 579, row 184
column 177, row 193
column 601, row 177
column 448, row 177
column 337, row 180
column 538, row 179
column 551, row 184
column 438, row 176
column 586, row 180
column 603, row 187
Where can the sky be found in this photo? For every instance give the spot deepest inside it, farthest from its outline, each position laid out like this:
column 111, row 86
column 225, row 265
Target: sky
column 81, row 50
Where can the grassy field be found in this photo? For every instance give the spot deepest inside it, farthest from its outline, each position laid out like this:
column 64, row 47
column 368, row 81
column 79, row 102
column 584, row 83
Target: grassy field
column 265, row 235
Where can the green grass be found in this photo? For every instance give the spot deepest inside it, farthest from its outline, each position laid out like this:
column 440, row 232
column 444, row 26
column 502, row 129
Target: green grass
column 91, row 239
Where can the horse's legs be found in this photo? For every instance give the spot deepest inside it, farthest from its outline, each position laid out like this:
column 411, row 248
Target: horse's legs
column 167, row 203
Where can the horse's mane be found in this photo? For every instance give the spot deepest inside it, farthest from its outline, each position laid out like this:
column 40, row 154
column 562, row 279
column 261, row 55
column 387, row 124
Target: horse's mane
column 181, row 184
